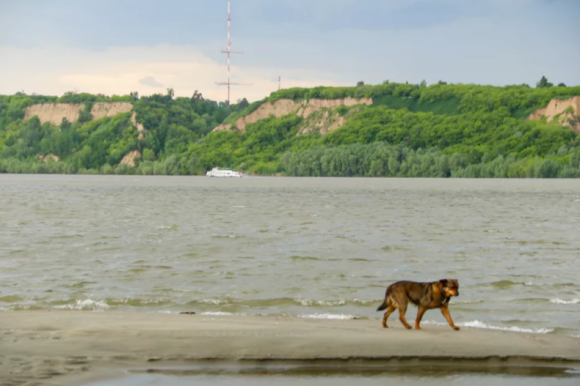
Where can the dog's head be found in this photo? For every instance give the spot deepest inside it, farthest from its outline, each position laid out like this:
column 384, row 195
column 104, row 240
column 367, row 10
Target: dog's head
column 450, row 287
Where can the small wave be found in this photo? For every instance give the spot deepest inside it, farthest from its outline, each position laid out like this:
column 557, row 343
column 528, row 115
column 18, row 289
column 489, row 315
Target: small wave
column 485, row 326
column 367, row 301
column 217, row 313
column 562, row 301
column 305, row 258
column 474, row 301
column 168, row 227
column 310, row 302
column 86, row 304
column 11, row 299
column 213, row 301
column 73, row 236
column 503, row 284
column 282, row 302
column 78, row 284
column 478, row 324
column 330, row 316
column 137, row 302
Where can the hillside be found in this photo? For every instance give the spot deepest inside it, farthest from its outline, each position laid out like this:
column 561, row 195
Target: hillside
column 384, row 130
column 281, row 107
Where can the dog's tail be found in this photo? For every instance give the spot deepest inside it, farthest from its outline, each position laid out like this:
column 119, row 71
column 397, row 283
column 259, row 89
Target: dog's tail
column 383, row 306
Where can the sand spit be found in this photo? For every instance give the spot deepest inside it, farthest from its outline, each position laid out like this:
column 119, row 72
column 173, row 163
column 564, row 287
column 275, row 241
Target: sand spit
column 67, row 347
column 562, row 111
column 283, row 107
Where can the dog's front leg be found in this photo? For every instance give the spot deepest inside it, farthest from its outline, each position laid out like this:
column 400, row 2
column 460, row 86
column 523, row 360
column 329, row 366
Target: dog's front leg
column 447, row 315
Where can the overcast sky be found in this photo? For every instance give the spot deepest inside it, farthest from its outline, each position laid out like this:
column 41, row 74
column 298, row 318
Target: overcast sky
column 119, row 46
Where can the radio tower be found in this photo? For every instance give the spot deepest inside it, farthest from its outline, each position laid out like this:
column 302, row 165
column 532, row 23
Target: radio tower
column 228, row 52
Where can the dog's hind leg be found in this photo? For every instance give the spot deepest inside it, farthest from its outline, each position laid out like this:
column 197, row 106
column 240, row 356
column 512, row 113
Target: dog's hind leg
column 420, row 313
column 402, row 312
column 390, row 310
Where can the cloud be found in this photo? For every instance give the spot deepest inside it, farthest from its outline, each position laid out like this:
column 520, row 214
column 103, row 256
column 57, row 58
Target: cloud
column 150, row 81
column 121, row 70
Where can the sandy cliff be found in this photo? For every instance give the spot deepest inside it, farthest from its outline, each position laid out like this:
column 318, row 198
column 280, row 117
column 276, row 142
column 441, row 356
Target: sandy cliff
column 55, row 112
column 131, row 158
column 562, row 111
column 302, row 108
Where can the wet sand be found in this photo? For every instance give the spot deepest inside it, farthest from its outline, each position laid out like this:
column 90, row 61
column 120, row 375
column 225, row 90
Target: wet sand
column 64, row 348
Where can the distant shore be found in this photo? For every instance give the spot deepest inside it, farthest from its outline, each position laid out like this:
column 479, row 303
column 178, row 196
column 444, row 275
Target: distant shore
column 67, row 347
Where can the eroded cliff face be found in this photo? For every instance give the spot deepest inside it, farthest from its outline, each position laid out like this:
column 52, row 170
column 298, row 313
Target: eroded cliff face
column 302, row 108
column 131, row 158
column 565, row 112
column 55, row 112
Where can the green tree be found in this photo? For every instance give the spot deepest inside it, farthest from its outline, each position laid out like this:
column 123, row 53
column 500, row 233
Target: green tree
column 242, row 104
column 543, row 83
column 148, row 155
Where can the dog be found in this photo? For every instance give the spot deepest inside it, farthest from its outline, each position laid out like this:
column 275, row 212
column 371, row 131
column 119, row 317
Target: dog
column 424, row 295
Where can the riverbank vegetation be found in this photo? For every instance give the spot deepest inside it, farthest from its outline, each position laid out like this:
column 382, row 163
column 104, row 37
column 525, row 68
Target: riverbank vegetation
column 442, row 130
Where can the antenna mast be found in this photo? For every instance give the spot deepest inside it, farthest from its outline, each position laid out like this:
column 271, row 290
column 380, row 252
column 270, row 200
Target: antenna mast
column 228, row 52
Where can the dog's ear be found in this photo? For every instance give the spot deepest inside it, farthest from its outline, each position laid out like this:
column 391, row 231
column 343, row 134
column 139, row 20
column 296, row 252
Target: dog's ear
column 443, row 282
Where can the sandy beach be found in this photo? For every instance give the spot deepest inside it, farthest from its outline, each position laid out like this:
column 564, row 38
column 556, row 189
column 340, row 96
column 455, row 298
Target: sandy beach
column 72, row 348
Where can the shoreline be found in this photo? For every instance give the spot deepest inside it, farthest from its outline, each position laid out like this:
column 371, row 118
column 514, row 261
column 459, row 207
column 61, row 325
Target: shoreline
column 75, row 347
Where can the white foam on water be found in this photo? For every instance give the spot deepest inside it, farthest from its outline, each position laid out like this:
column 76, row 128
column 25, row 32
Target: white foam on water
column 218, row 313
column 167, row 227
column 478, row 324
column 329, row 316
column 85, row 304
column 367, row 301
column 562, row 301
column 485, row 326
column 213, row 301
column 310, row 302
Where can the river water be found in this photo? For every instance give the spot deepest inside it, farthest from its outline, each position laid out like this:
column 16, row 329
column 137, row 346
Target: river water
column 312, row 247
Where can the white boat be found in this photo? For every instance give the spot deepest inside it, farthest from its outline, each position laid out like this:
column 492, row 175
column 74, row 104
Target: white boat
column 217, row 172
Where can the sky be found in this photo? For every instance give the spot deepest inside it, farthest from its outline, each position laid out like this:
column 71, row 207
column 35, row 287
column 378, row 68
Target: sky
column 119, row 46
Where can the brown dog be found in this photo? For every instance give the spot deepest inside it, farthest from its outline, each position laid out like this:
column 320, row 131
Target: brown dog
column 424, row 295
